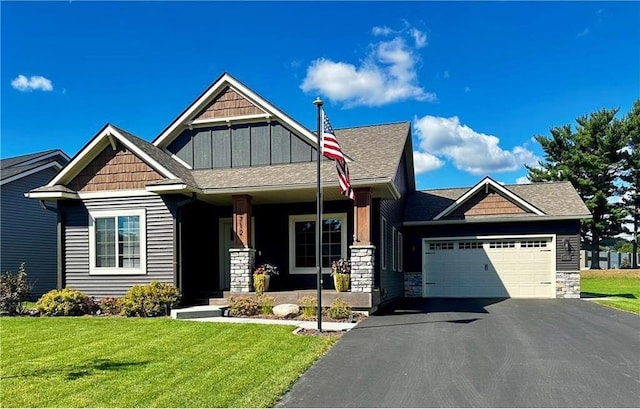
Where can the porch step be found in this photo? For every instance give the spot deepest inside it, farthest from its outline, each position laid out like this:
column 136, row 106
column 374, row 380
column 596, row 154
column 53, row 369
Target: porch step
column 201, row 311
column 218, row 301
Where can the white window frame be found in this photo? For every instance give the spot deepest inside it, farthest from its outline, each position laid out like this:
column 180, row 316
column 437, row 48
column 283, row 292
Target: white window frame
column 93, row 270
column 394, row 248
column 312, row 218
column 400, row 252
column 383, row 243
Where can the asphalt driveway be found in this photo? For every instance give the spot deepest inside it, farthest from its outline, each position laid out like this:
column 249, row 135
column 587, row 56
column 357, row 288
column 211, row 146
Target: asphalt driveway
column 481, row 353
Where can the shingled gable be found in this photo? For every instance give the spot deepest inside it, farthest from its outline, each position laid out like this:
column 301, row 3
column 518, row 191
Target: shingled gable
column 167, row 169
column 227, row 100
column 484, row 184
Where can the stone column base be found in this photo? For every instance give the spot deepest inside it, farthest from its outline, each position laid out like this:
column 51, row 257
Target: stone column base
column 362, row 268
column 242, row 265
column 568, row 284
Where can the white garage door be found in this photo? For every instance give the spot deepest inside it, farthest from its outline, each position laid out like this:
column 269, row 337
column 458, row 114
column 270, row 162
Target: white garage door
column 509, row 267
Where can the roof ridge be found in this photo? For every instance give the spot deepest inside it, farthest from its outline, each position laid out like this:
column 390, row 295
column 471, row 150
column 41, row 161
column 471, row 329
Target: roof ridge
column 372, row 125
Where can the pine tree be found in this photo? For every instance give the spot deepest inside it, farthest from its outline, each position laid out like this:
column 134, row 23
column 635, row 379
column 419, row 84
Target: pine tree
column 630, row 174
column 589, row 157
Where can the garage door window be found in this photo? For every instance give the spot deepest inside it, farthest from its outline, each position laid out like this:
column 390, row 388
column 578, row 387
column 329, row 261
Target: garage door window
column 502, row 244
column 441, row 245
column 533, row 243
column 470, row 245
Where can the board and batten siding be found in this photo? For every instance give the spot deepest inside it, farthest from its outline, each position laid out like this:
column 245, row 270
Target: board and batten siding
column 28, row 233
column 160, row 244
column 568, row 259
column 240, row 145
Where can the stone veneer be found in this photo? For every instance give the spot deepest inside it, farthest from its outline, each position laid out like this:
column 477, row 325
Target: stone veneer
column 568, row 284
column 242, row 264
column 362, row 263
column 413, row 285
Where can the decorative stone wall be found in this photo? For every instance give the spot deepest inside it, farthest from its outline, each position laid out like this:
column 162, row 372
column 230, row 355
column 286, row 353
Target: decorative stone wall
column 568, row 284
column 413, row 285
column 242, row 265
column 362, row 264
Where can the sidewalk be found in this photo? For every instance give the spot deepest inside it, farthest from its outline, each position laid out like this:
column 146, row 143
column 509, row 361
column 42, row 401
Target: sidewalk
column 326, row 325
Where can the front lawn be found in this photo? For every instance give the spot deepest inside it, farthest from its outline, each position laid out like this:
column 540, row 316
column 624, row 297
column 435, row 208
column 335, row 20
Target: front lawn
column 149, row 362
column 620, row 287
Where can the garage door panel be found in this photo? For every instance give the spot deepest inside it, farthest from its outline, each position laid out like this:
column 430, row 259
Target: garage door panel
column 520, row 268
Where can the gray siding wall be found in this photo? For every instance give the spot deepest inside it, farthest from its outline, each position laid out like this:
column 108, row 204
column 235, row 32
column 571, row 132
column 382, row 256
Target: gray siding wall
column 160, row 245
column 391, row 279
column 28, row 233
column 254, row 144
column 568, row 260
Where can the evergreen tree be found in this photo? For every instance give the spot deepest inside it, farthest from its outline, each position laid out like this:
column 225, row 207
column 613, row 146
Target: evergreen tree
column 590, row 158
column 630, row 174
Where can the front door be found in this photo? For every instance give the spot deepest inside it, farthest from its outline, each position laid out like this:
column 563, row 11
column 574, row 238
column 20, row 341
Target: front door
column 226, row 242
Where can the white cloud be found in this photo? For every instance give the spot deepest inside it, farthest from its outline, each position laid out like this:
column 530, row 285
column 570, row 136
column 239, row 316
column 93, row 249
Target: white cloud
column 583, row 33
column 381, row 31
column 387, row 74
column 425, row 162
column 523, row 180
column 470, row 151
column 35, row 82
column 419, row 37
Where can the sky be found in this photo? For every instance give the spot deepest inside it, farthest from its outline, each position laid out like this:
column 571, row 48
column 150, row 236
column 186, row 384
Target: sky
column 477, row 80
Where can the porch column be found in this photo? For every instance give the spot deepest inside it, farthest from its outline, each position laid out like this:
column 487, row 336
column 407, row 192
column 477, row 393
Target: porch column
column 242, row 220
column 362, row 216
column 362, row 268
column 242, row 256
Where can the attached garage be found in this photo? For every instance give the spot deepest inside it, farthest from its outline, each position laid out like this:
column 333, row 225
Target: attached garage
column 493, row 240
column 516, row 267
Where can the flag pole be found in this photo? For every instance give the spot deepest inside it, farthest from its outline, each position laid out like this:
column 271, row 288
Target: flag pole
column 318, row 103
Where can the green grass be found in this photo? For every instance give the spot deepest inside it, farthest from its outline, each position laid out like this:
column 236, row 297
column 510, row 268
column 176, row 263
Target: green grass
column 621, row 287
column 138, row 362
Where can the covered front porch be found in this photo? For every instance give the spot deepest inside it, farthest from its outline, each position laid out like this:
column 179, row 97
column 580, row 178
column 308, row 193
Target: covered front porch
column 220, row 244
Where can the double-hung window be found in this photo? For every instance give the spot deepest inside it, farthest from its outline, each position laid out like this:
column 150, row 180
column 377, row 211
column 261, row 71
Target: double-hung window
column 117, row 242
column 302, row 241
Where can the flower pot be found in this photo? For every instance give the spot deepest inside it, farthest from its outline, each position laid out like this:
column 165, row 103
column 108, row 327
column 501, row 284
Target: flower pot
column 341, row 282
column 261, row 283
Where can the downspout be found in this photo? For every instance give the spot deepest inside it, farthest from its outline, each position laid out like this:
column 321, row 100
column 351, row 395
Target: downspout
column 177, row 242
column 60, row 279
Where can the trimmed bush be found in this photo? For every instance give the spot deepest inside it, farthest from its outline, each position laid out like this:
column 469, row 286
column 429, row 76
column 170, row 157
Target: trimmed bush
column 152, row 300
column 266, row 304
column 308, row 305
column 109, row 306
column 339, row 310
column 65, row 302
column 244, row 306
column 14, row 291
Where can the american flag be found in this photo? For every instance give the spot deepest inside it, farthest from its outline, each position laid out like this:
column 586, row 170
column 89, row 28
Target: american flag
column 331, row 149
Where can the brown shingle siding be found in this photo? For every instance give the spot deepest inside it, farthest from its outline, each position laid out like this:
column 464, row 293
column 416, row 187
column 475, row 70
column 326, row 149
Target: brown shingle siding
column 114, row 170
column 485, row 204
column 228, row 104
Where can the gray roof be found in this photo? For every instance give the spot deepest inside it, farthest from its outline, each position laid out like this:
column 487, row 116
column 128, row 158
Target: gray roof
column 54, row 188
column 159, row 156
column 375, row 152
column 13, row 166
column 557, row 199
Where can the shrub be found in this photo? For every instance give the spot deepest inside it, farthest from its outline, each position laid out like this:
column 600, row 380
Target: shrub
column 65, row 302
column 625, row 263
column 339, row 309
column 266, row 304
column 308, row 305
column 14, row 291
column 244, row 306
column 152, row 300
column 109, row 306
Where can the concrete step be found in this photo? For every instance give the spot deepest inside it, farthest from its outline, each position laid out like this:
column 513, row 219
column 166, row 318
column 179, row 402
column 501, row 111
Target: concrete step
column 200, row 311
column 218, row 301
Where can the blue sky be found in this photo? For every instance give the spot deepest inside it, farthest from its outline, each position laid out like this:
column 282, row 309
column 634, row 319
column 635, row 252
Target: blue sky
column 477, row 80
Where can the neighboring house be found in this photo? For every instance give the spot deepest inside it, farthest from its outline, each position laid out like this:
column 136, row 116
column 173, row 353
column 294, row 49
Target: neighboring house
column 231, row 183
column 27, row 229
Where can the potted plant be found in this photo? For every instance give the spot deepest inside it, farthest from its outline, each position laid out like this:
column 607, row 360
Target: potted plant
column 262, row 277
column 340, row 271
